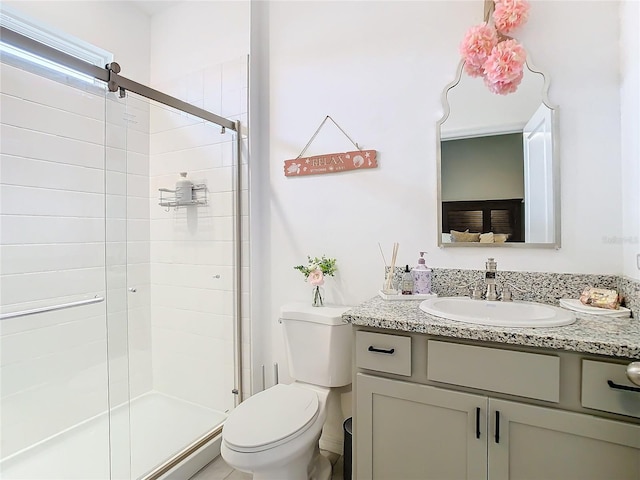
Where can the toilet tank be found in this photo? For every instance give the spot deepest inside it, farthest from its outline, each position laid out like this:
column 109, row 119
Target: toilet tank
column 318, row 344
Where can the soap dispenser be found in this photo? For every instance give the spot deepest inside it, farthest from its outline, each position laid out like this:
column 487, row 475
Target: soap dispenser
column 184, row 190
column 407, row 282
column 421, row 277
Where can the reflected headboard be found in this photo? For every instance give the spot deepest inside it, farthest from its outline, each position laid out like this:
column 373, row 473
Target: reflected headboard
column 497, row 216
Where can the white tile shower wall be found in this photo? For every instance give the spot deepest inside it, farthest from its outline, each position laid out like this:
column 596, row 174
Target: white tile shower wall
column 51, row 246
column 192, row 309
column 205, row 65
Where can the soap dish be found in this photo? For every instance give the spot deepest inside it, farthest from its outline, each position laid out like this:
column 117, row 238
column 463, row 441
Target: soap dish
column 578, row 306
column 415, row 296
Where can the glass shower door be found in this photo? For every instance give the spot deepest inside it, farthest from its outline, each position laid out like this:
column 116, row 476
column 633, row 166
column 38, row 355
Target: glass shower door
column 180, row 278
column 54, row 363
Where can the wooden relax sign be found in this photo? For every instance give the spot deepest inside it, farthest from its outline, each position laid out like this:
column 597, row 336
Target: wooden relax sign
column 330, row 163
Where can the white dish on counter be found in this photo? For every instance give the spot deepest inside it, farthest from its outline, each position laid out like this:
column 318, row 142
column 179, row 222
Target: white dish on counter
column 578, row 306
column 398, row 296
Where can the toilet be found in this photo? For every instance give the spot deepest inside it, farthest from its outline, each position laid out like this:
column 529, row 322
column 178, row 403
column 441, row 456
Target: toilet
column 275, row 433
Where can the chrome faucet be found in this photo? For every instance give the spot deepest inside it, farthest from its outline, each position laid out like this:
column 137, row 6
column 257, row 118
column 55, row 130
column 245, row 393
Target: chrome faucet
column 491, row 268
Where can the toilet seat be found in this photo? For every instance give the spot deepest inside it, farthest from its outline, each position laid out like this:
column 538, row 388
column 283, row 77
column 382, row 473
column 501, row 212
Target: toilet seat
column 270, row 418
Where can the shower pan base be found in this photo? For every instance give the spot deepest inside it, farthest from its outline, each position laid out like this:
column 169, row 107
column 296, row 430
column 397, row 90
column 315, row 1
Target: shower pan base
column 157, row 427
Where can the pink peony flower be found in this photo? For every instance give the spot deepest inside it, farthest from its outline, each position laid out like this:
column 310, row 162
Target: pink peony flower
column 506, row 62
column 504, row 88
column 473, row 70
column 316, row 277
column 510, row 14
column 477, row 45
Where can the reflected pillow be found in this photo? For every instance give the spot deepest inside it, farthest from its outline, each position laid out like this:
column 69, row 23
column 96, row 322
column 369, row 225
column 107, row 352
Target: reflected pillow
column 486, row 237
column 464, row 236
column 501, row 237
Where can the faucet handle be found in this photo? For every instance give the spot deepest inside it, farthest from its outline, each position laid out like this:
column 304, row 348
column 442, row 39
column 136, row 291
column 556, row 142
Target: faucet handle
column 473, row 289
column 505, row 295
column 476, row 293
column 466, row 288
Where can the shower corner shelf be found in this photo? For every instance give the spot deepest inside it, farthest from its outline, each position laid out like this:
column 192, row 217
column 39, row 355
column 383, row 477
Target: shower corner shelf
column 199, row 197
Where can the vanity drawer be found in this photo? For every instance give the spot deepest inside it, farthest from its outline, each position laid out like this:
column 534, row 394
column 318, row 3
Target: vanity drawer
column 383, row 352
column 599, row 395
column 530, row 375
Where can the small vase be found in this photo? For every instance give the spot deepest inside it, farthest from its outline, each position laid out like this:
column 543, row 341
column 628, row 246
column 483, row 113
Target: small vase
column 318, row 296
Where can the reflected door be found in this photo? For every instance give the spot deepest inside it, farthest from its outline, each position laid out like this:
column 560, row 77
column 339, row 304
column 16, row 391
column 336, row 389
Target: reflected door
column 538, row 178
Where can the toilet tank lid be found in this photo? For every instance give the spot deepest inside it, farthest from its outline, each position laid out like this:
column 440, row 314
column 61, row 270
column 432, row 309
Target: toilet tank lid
column 327, row 315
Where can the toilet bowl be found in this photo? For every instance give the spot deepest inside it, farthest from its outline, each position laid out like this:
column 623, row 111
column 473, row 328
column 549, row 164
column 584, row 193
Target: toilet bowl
column 274, row 434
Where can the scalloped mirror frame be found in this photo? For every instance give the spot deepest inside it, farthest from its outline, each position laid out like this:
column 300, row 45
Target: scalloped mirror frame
column 555, row 168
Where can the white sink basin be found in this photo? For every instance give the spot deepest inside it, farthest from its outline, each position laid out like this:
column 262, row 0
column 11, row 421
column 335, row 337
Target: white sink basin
column 503, row 314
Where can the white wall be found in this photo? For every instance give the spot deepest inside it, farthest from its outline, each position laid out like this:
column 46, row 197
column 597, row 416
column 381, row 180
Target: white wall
column 378, row 68
column 115, row 26
column 482, row 168
column 630, row 141
column 473, row 109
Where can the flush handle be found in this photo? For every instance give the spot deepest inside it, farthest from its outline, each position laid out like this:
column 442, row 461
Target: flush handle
column 388, row 351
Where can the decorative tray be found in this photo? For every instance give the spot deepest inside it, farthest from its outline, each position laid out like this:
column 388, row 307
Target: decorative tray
column 415, row 296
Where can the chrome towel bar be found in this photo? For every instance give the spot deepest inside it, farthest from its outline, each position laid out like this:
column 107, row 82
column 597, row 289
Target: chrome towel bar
column 62, row 306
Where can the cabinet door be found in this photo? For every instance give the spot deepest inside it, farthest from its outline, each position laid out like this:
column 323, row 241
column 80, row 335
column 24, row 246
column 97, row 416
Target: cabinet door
column 543, row 443
column 409, row 431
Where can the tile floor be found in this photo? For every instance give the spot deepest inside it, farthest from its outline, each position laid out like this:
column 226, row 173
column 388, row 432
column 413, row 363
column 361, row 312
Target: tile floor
column 220, row 470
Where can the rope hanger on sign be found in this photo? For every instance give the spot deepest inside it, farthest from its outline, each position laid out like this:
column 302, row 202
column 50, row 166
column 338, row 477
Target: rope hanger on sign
column 313, row 137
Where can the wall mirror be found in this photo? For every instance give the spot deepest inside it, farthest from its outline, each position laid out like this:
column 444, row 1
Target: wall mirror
column 498, row 165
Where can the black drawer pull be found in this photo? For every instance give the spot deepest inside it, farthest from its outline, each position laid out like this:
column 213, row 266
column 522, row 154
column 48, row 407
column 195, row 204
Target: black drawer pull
column 622, row 387
column 497, row 426
column 381, row 350
column 477, row 422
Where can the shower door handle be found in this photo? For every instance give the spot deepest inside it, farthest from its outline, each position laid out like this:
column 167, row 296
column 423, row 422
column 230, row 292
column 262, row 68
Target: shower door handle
column 53, row 308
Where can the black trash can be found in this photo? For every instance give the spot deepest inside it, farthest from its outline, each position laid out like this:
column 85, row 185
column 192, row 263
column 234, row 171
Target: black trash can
column 348, row 435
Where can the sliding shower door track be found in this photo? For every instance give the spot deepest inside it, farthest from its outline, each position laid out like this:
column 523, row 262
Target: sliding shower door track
column 182, row 455
column 110, row 75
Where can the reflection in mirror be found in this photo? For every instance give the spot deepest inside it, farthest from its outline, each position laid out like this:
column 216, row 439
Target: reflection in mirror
column 498, row 165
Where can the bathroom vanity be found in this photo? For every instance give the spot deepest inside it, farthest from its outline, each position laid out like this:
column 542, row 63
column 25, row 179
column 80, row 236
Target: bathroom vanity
column 437, row 399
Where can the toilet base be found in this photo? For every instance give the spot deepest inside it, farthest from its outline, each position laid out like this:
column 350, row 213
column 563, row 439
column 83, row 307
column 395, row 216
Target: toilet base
column 311, row 465
column 322, row 469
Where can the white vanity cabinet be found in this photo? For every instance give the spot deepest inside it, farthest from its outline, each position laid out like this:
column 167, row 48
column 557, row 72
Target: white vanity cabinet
column 467, row 410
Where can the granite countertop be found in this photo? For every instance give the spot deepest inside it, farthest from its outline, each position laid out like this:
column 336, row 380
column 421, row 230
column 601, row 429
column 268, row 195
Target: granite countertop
column 616, row 337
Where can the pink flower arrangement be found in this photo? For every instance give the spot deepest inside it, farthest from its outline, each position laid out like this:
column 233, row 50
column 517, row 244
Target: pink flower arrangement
column 506, row 62
column 315, row 272
column 489, row 54
column 510, row 14
column 476, row 47
column 316, row 278
column 504, row 88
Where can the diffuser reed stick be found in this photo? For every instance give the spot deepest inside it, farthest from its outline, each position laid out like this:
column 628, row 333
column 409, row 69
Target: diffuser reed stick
column 382, row 253
column 392, row 267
